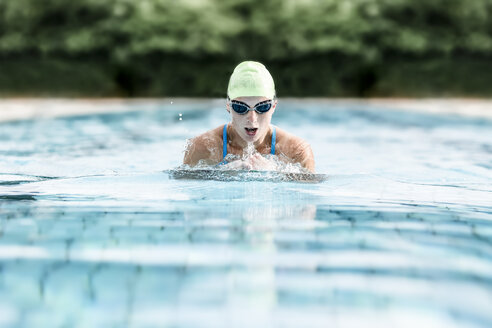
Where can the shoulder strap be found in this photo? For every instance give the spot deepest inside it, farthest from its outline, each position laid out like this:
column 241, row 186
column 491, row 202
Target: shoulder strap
column 224, row 142
column 274, row 137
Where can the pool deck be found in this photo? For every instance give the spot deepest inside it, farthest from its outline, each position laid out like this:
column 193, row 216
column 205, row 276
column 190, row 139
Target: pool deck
column 19, row 109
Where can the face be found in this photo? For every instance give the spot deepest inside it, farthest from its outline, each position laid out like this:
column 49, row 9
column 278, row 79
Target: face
column 251, row 126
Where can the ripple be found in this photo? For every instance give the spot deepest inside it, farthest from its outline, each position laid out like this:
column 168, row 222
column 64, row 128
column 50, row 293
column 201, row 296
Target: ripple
column 395, row 228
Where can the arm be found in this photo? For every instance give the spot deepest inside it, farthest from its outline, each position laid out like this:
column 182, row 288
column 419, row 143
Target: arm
column 303, row 154
column 200, row 148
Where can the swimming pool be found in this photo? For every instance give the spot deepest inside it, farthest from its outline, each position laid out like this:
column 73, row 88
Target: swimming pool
column 94, row 231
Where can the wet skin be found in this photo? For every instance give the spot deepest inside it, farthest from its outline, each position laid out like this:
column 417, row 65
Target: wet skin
column 250, row 128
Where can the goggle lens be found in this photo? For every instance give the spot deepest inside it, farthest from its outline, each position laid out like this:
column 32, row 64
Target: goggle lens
column 240, row 109
column 263, row 108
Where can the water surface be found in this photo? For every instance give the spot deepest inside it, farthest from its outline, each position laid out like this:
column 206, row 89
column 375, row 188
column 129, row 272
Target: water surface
column 95, row 232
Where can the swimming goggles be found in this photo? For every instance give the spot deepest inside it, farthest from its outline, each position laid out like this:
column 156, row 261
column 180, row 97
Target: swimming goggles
column 242, row 108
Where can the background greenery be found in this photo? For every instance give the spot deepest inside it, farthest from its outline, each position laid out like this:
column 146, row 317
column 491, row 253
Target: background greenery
column 190, row 47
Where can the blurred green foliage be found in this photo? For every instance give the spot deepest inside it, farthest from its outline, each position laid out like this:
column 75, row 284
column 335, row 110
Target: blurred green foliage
column 189, row 47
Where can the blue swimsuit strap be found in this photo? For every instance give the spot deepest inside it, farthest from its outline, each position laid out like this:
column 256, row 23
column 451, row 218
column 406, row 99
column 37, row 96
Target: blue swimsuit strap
column 224, row 142
column 274, row 139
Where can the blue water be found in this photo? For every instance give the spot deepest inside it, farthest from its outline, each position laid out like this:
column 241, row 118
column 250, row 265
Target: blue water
column 95, row 233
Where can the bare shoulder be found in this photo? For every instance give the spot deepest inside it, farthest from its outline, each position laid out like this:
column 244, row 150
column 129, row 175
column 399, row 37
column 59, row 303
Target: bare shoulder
column 207, row 147
column 295, row 148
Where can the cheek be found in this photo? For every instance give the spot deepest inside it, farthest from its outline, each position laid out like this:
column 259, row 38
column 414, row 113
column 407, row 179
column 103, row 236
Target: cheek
column 236, row 121
column 236, row 118
column 265, row 119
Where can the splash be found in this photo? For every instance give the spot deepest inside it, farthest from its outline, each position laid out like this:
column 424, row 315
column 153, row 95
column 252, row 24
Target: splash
column 249, row 151
column 250, row 160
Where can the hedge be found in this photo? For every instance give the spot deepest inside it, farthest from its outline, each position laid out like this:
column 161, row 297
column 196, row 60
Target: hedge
column 189, row 47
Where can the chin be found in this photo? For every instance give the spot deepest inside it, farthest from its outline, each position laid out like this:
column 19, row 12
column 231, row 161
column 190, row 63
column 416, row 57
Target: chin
column 250, row 138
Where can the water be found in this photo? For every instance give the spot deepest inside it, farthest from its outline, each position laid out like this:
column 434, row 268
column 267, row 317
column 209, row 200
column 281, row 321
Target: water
column 94, row 231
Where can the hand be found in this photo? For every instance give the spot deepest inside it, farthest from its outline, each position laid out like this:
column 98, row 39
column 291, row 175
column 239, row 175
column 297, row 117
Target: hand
column 238, row 165
column 253, row 162
column 258, row 162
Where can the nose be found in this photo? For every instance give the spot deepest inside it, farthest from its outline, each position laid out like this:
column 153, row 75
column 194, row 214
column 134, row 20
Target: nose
column 252, row 116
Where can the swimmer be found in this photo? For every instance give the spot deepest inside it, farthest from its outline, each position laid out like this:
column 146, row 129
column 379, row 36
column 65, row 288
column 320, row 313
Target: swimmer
column 249, row 135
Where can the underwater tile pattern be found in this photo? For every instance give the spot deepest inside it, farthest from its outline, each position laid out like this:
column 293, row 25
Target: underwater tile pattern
column 94, row 232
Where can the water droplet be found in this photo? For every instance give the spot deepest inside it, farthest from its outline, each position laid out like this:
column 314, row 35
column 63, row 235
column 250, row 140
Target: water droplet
column 171, row 102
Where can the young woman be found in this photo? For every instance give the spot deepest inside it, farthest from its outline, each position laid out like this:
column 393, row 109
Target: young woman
column 251, row 102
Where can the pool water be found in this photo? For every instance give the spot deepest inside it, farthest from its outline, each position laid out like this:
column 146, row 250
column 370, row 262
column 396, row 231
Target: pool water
column 94, row 232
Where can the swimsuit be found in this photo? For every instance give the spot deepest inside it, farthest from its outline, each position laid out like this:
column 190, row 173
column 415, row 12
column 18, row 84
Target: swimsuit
column 224, row 143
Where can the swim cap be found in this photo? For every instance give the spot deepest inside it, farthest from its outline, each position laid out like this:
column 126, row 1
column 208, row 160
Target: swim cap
column 251, row 78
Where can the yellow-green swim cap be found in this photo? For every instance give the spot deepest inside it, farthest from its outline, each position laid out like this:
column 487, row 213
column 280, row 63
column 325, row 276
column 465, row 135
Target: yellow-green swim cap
column 251, row 78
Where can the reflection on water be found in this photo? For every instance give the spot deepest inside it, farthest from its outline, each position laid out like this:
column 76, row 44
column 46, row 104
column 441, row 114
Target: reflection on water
column 258, row 252
column 94, row 233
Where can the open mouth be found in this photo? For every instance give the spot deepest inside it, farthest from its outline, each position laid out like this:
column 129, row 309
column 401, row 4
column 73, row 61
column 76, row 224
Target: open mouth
column 251, row 131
